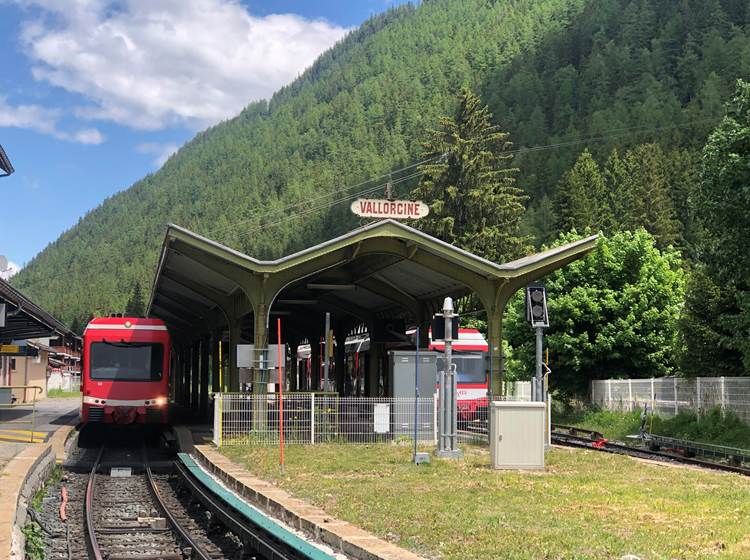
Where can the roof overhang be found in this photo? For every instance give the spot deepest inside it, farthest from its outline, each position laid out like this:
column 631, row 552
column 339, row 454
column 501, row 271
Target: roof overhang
column 24, row 319
column 383, row 269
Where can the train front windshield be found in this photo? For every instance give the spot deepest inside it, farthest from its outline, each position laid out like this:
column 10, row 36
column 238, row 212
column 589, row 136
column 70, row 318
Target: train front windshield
column 469, row 367
column 126, row 361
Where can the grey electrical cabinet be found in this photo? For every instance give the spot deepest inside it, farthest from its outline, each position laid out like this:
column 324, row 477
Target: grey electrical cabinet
column 401, row 382
column 402, row 370
column 517, row 434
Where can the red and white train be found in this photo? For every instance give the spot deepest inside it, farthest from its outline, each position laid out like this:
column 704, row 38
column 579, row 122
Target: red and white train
column 469, row 355
column 125, row 377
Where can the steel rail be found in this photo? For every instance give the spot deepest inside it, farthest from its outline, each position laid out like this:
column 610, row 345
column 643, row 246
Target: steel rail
column 199, row 550
column 88, row 502
column 263, row 543
column 621, row 449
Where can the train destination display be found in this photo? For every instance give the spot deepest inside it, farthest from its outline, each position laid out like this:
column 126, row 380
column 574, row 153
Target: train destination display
column 399, row 209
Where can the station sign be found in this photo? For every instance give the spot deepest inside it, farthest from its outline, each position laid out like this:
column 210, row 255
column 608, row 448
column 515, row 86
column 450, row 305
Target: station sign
column 10, row 349
column 398, row 209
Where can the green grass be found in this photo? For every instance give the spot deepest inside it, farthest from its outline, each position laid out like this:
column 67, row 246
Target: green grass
column 60, row 394
column 585, row 505
column 713, row 427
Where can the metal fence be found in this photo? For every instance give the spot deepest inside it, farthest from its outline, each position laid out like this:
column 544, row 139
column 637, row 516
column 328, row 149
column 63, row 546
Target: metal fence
column 310, row 418
column 667, row 396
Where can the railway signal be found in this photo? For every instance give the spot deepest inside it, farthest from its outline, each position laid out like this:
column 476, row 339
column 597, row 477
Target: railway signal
column 536, row 305
column 536, row 315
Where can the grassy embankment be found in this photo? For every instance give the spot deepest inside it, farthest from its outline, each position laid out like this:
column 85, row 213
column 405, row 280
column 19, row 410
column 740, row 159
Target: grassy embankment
column 585, row 505
column 713, row 427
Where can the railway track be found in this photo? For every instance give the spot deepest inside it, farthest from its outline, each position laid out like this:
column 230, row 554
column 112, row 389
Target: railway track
column 598, row 443
column 139, row 516
column 572, row 436
column 136, row 513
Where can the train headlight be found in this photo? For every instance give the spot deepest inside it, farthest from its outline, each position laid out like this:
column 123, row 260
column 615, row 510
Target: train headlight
column 160, row 401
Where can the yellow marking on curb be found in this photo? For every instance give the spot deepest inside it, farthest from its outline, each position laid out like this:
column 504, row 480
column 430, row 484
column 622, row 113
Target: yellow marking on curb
column 23, row 432
column 27, row 439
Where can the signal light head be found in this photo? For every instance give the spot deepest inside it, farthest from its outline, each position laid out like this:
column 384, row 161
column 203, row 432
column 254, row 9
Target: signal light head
column 536, row 305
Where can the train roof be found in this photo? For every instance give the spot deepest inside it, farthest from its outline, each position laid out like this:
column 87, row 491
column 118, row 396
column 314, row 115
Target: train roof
column 137, row 323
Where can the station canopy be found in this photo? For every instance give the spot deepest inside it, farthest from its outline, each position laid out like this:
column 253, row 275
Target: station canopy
column 382, row 270
column 24, row 319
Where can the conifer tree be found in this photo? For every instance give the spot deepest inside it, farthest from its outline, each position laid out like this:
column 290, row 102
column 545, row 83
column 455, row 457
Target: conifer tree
column 640, row 193
column 582, row 200
column 474, row 203
column 135, row 306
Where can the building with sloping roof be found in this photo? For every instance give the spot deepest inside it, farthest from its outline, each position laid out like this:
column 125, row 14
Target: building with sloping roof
column 25, row 332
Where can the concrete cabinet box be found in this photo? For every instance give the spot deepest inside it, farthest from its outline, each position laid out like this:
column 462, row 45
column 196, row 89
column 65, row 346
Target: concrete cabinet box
column 517, row 435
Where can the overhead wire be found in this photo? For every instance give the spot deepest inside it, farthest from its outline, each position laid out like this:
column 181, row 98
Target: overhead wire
column 331, row 193
column 616, row 132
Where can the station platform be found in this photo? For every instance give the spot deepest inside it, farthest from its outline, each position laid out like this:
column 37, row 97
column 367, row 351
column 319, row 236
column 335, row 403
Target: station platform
column 344, row 538
column 22, row 424
column 29, row 450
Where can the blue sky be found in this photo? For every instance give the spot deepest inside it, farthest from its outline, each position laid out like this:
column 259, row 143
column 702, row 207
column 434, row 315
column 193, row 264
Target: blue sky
column 96, row 94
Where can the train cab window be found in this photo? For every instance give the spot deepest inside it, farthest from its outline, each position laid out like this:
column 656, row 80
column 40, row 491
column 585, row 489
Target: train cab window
column 126, row 361
column 469, row 367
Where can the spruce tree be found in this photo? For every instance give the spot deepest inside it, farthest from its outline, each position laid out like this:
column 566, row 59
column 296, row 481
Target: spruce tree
column 582, row 200
column 639, row 188
column 135, row 306
column 470, row 188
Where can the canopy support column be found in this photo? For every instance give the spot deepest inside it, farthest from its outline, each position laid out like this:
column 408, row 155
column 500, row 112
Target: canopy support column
column 494, row 302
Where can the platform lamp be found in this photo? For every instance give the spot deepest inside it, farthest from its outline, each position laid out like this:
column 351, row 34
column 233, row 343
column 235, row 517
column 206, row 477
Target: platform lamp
column 5, row 166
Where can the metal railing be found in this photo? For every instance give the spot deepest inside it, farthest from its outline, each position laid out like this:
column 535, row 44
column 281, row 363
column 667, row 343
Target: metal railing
column 312, row 418
column 668, row 396
column 7, row 401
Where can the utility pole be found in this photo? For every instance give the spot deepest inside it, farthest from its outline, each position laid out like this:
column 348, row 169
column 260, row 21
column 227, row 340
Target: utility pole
column 448, row 435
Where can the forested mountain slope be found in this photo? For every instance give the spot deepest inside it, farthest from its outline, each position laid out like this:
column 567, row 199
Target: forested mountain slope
column 557, row 74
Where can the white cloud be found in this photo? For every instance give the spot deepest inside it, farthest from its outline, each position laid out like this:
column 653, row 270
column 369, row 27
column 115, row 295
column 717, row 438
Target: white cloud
column 11, row 270
column 43, row 120
column 153, row 63
column 161, row 151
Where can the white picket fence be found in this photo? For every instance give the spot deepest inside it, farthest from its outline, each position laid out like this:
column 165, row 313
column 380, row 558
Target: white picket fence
column 667, row 396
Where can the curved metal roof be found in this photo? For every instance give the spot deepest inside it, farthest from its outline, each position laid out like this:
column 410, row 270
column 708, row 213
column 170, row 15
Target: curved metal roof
column 384, row 268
